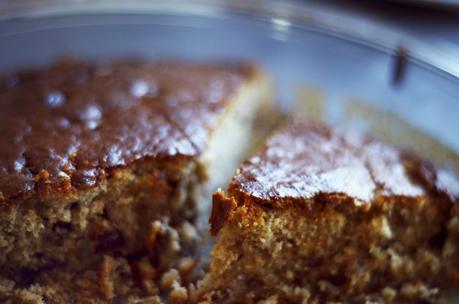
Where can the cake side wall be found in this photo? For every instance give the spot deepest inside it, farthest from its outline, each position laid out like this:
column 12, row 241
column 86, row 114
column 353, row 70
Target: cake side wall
column 114, row 218
column 390, row 251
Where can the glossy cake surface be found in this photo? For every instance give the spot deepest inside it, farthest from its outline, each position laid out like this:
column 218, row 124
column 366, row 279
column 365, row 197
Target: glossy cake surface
column 63, row 127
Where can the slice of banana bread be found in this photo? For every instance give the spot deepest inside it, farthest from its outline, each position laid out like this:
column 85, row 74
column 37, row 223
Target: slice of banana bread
column 325, row 216
column 102, row 168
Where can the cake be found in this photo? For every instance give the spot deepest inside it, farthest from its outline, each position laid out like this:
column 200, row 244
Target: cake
column 322, row 215
column 103, row 170
column 106, row 170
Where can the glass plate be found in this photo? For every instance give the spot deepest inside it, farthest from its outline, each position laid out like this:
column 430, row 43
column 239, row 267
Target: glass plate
column 366, row 77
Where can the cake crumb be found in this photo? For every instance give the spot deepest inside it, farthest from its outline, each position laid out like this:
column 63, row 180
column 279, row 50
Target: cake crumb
column 302, row 293
column 169, row 278
column 186, row 264
column 271, row 300
column 105, row 280
column 179, row 294
column 289, row 275
column 381, row 225
column 411, row 291
column 188, row 232
column 148, row 300
column 146, row 274
column 28, row 297
column 389, row 294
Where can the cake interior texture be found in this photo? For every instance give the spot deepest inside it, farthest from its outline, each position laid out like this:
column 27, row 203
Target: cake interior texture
column 321, row 215
column 103, row 171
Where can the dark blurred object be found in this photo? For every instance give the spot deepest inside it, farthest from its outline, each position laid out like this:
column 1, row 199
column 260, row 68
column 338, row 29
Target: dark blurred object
column 429, row 3
column 400, row 62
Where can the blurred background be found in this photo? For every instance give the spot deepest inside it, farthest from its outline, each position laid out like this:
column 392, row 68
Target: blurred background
column 435, row 22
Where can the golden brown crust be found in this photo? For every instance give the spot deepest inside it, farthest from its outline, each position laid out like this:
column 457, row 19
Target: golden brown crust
column 309, row 163
column 65, row 127
column 308, row 159
column 221, row 210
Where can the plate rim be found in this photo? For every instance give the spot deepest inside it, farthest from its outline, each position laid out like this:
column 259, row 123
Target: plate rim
column 290, row 13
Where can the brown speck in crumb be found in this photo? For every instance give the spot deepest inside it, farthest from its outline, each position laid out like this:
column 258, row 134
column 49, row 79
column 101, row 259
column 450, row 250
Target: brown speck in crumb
column 105, row 280
column 83, row 283
column 221, row 209
column 43, row 175
column 145, row 274
column 152, row 235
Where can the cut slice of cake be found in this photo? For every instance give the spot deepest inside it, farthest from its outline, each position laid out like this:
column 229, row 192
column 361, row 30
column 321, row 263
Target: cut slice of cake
column 102, row 171
column 326, row 216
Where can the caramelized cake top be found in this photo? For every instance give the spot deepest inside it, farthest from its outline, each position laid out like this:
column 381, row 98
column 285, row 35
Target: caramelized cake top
column 307, row 160
column 64, row 126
